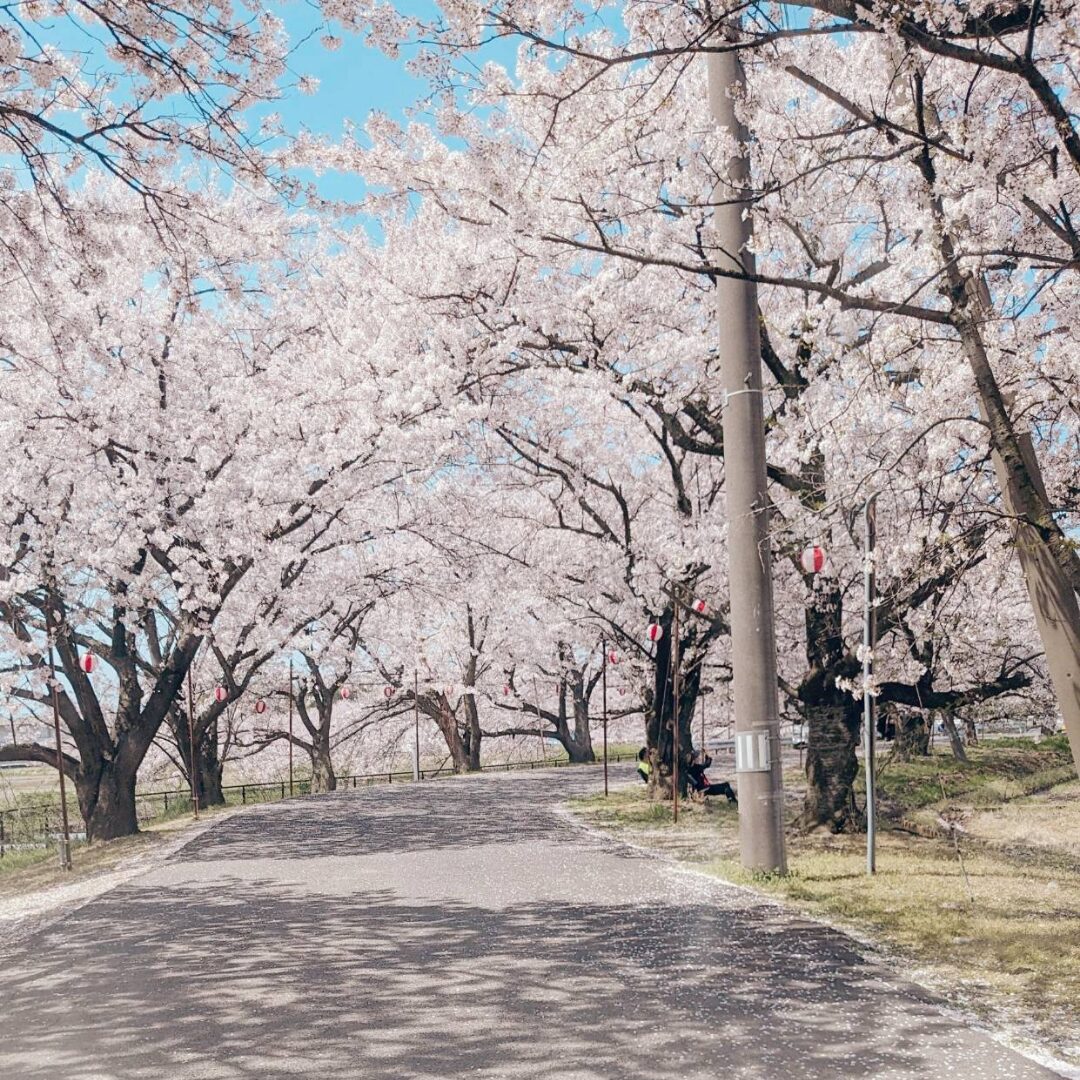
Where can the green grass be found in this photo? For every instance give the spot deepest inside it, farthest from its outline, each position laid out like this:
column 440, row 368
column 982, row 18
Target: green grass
column 14, row 861
column 994, row 774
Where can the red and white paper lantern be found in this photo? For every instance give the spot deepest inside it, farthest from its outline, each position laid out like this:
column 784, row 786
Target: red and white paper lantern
column 87, row 663
column 220, row 693
column 700, row 606
column 655, row 632
column 506, row 691
column 260, row 706
column 388, row 692
column 613, row 658
column 345, row 692
column 813, row 559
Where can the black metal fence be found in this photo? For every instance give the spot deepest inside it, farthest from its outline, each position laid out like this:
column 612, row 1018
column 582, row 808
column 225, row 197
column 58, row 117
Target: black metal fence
column 38, row 825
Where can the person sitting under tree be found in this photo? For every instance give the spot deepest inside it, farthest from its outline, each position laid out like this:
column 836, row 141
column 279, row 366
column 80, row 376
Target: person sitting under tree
column 699, row 782
column 644, row 766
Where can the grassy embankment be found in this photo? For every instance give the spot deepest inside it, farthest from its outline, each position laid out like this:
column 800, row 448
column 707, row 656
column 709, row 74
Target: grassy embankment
column 995, row 926
column 23, row 872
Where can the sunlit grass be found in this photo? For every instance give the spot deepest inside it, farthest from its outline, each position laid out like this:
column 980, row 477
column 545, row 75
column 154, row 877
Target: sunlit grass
column 995, row 773
column 14, row 861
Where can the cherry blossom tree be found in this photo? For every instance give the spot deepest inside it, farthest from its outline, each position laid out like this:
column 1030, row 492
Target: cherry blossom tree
column 931, row 223
column 248, row 465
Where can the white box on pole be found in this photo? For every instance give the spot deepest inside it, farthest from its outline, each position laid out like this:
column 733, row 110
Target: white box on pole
column 753, row 751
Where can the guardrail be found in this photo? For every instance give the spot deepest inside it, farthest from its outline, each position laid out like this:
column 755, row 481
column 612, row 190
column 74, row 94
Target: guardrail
column 38, row 825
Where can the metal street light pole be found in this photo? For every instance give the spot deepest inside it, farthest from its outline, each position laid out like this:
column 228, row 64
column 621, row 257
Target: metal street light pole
column 416, row 722
column 290, row 726
column 757, row 719
column 603, row 680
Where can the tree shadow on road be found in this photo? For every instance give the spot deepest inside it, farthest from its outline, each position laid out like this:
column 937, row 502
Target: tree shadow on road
column 451, row 813
column 255, row 975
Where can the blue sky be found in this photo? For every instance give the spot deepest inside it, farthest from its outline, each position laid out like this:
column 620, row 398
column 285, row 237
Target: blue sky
column 356, row 79
column 353, row 80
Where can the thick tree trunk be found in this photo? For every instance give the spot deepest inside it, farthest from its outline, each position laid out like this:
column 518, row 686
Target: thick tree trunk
column 461, row 740
column 581, row 748
column 459, row 758
column 1057, row 613
column 660, row 717
column 471, row 735
column 459, row 752
column 209, row 769
column 470, row 760
column 831, row 766
column 1047, row 556
column 107, row 801
column 912, row 734
column 208, row 766
column 323, row 777
column 833, row 717
column 577, row 742
column 578, row 746
column 971, row 732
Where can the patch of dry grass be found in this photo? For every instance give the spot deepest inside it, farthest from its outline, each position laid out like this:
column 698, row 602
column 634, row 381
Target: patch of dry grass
column 1047, row 822
column 31, row 780
column 28, row 871
column 31, row 871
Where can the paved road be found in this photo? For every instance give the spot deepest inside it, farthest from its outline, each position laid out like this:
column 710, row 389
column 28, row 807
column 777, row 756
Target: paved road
column 463, row 929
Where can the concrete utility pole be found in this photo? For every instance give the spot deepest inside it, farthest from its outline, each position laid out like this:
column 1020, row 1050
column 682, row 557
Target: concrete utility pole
column 869, row 645
column 753, row 638
column 291, row 727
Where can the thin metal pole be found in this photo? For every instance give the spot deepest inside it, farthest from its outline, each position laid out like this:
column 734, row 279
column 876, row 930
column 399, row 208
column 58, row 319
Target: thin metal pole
column 758, row 763
column 869, row 644
column 603, row 679
column 539, row 720
column 416, row 722
column 191, row 743
column 675, row 709
column 701, row 698
column 65, row 843
column 290, row 726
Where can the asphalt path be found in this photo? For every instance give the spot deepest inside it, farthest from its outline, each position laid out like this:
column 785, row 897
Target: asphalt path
column 462, row 928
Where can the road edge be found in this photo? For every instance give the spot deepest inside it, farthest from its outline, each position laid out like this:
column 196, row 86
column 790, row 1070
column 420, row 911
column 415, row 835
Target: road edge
column 1002, row 1030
